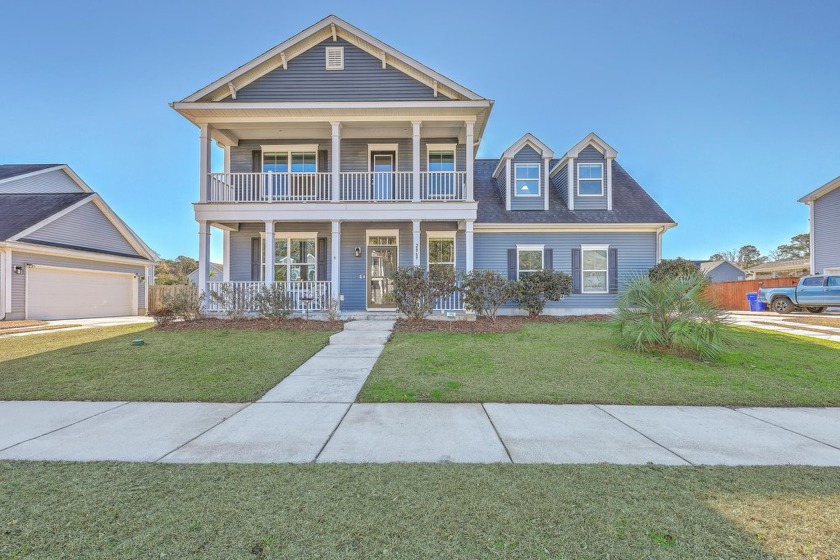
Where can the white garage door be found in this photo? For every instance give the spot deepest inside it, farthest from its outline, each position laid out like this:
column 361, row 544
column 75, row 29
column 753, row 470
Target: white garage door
column 71, row 293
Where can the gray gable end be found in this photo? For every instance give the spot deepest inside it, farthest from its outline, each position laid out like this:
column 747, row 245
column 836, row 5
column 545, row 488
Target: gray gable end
column 55, row 181
column 363, row 79
column 85, row 227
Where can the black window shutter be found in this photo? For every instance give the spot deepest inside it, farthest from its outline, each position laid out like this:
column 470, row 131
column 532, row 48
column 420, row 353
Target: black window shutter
column 576, row 272
column 511, row 264
column 613, row 271
column 256, row 161
column 548, row 259
column 323, row 159
column 322, row 258
column 256, row 249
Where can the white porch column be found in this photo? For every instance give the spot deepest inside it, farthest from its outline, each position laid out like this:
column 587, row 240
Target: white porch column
column 268, row 276
column 546, row 184
column 469, row 245
column 470, row 157
column 609, row 184
column 335, row 270
column 203, row 257
column 336, row 161
column 507, row 184
column 227, row 158
column 415, row 161
column 204, row 164
column 226, row 256
column 415, row 239
column 570, row 175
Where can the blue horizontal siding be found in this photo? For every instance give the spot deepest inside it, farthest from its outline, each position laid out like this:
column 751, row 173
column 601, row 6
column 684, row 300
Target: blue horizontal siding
column 636, row 255
column 363, row 79
column 560, row 181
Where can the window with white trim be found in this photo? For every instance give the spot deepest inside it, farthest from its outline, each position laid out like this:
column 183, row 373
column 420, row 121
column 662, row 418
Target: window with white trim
column 440, row 163
column 594, row 269
column 295, row 257
column 590, row 179
column 440, row 248
column 527, row 179
column 335, row 58
column 529, row 259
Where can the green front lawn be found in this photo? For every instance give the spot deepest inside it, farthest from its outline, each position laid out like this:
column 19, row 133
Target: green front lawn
column 178, row 365
column 581, row 363
column 100, row 510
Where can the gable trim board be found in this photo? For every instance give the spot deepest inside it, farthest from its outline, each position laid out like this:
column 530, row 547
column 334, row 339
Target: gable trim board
column 329, row 27
column 62, row 167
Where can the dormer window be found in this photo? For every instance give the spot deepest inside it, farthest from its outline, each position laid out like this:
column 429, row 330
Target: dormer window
column 590, row 179
column 335, row 58
column 527, row 179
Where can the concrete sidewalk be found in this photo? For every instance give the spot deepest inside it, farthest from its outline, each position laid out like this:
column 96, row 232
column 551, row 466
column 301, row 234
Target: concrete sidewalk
column 300, row 432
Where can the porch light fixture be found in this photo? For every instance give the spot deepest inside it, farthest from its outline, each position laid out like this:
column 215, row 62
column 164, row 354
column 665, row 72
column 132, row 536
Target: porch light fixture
column 18, row 269
column 358, row 251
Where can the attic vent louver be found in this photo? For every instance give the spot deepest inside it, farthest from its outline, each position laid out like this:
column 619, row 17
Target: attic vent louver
column 335, row 58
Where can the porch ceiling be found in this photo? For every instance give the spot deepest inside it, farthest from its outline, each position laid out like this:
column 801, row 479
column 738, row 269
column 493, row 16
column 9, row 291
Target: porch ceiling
column 322, row 130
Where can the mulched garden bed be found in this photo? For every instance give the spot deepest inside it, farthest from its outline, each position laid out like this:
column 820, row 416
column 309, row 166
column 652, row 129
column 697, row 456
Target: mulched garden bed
column 482, row 325
column 254, row 325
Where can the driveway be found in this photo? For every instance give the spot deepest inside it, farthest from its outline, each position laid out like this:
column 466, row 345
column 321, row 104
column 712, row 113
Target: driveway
column 787, row 323
column 73, row 324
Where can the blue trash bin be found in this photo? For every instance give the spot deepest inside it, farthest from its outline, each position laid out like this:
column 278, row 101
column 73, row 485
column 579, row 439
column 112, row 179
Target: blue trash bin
column 755, row 305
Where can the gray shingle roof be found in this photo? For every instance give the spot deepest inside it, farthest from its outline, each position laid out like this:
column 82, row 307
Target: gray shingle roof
column 20, row 211
column 9, row 170
column 631, row 204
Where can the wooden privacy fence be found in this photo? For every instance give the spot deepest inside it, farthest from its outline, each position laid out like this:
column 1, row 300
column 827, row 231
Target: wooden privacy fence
column 158, row 293
column 733, row 295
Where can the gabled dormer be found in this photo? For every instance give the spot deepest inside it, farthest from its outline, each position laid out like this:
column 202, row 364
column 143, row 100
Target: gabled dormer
column 522, row 174
column 583, row 177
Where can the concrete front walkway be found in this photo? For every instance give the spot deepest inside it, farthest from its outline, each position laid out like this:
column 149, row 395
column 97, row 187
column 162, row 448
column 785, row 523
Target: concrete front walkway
column 299, row 432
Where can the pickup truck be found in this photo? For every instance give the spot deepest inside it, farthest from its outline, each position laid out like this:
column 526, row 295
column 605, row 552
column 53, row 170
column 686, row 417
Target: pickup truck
column 812, row 293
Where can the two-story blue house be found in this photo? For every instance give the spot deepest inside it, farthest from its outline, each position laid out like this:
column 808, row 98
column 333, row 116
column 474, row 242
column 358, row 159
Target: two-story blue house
column 345, row 159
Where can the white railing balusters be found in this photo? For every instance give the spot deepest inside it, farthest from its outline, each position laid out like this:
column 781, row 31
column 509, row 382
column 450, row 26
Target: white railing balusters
column 452, row 302
column 303, row 295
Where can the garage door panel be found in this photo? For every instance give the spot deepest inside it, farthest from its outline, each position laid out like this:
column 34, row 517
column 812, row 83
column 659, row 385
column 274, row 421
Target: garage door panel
column 65, row 293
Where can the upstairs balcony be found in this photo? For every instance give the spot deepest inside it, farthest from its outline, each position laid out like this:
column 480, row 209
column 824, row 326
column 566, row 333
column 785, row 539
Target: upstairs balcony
column 371, row 186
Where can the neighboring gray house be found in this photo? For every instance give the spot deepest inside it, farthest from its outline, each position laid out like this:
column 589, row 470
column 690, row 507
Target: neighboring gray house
column 216, row 272
column 64, row 254
column 824, row 206
column 721, row 271
column 787, row 268
column 345, row 159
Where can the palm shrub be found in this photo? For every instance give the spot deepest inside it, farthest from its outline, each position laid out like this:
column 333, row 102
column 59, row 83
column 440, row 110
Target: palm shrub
column 414, row 290
column 670, row 315
column 536, row 289
column 485, row 291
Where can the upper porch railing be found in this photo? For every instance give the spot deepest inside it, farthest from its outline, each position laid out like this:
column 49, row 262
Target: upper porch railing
column 378, row 186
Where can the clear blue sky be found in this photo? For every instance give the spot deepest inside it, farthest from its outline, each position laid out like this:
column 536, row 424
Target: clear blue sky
column 726, row 112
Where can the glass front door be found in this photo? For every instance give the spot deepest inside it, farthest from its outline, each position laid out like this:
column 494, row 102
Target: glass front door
column 382, row 262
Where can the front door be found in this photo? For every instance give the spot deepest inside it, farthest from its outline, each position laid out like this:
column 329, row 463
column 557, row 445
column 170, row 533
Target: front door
column 382, row 262
column 383, row 165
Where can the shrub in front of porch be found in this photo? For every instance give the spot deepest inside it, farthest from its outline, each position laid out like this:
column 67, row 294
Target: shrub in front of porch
column 273, row 303
column 485, row 291
column 414, row 290
column 536, row 289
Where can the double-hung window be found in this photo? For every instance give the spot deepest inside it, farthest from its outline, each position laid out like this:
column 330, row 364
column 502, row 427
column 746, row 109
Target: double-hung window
column 295, row 257
column 590, row 179
column 594, row 269
column 529, row 259
column 441, row 167
column 441, row 251
column 527, row 179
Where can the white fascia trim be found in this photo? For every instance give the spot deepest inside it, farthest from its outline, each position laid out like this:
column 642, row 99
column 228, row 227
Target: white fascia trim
column 50, row 219
column 569, row 228
column 301, row 212
column 47, row 170
column 23, row 247
column 823, row 190
column 590, row 139
column 341, row 27
column 334, row 105
column 527, row 140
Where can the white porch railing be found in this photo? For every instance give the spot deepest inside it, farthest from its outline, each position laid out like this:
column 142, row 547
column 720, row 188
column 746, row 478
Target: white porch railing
column 376, row 186
column 452, row 302
column 242, row 296
column 362, row 186
column 443, row 185
column 270, row 187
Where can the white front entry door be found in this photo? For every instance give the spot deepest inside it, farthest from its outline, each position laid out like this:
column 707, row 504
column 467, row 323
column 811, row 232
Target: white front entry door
column 72, row 293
